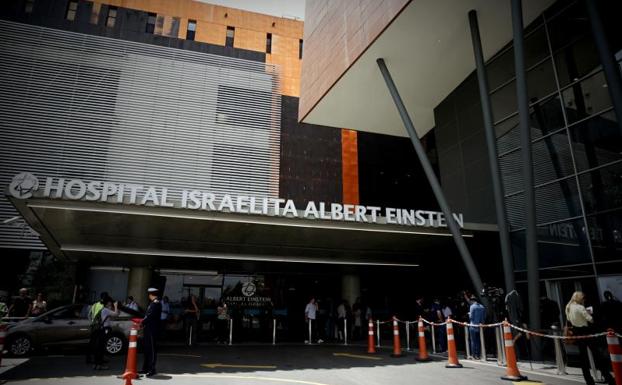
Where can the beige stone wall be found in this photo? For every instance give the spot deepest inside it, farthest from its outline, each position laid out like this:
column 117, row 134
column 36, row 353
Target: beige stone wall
column 336, row 33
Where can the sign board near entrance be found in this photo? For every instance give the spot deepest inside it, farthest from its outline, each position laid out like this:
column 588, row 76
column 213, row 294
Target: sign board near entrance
column 26, row 185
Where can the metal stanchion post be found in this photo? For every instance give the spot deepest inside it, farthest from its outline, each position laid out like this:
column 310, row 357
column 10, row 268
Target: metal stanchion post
column 595, row 373
column 499, row 347
column 273, row 331
column 230, row 331
column 482, row 342
column 467, row 347
column 378, row 333
column 345, row 331
column 559, row 357
column 407, row 336
column 433, row 339
column 309, row 341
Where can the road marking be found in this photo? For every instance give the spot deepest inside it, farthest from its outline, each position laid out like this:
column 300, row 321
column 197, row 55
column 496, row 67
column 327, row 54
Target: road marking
column 219, row 365
column 179, row 355
column 528, row 382
column 356, row 356
column 234, row 377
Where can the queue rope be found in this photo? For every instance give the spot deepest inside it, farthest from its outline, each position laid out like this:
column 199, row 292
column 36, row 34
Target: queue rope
column 523, row 330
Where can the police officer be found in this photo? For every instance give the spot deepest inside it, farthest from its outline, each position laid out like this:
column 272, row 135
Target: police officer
column 151, row 324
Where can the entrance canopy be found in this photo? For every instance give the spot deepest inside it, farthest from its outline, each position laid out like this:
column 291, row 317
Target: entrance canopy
column 426, row 46
column 130, row 235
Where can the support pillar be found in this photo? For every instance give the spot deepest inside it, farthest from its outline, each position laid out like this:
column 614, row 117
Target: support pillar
column 531, row 240
column 611, row 68
column 493, row 157
column 350, row 288
column 138, row 283
column 432, row 179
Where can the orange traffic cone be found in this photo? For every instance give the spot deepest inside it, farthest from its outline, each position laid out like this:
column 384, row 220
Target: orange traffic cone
column 423, row 351
column 371, row 348
column 512, row 373
column 452, row 353
column 615, row 352
column 131, row 371
column 397, row 348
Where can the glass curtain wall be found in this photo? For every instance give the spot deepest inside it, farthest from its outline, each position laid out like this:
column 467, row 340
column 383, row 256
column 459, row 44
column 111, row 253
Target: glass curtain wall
column 576, row 144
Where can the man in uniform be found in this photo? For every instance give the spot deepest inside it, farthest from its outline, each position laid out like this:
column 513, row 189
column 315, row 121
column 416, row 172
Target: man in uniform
column 151, row 324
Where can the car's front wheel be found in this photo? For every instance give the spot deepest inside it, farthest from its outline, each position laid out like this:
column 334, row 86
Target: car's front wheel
column 19, row 345
column 114, row 344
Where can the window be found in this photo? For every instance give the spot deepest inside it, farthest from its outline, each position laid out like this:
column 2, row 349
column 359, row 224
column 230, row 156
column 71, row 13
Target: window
column 151, row 22
column 112, row 17
column 230, row 36
column 192, row 29
column 72, row 10
column 300, row 49
column 269, row 43
column 30, row 4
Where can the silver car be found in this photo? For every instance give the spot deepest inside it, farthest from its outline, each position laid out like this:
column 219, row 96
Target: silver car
column 65, row 326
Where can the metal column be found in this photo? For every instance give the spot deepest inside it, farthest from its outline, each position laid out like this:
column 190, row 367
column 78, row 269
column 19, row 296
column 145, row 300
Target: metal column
column 493, row 157
column 531, row 241
column 432, row 179
column 610, row 66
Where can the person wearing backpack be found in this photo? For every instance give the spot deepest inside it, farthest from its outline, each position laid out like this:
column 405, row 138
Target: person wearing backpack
column 109, row 311
column 94, row 317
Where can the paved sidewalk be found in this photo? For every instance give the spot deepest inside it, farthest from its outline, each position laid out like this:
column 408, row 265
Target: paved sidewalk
column 234, row 365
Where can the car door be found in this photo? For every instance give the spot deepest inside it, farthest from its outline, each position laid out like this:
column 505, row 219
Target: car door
column 64, row 326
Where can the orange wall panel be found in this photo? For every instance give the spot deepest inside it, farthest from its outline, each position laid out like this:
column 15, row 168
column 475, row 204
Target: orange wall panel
column 350, row 166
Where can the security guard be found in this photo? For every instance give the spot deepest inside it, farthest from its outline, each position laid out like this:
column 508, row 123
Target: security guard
column 151, row 324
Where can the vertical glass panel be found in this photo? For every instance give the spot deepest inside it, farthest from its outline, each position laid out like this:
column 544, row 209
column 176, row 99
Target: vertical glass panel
column 602, row 189
column 511, row 171
column 586, row 98
column 557, row 201
column 569, row 26
column 606, row 234
column 552, row 158
column 596, row 141
column 563, row 243
column 576, row 60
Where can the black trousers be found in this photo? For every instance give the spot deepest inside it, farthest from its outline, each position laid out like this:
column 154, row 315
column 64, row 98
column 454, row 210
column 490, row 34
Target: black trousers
column 600, row 362
column 149, row 351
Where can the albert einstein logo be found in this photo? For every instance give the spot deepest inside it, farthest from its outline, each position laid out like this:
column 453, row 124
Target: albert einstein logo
column 249, row 289
column 23, row 185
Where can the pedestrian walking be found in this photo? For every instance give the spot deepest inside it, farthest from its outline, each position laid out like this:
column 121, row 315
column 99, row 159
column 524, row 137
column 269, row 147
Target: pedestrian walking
column 103, row 330
column 151, row 323
column 191, row 318
column 342, row 314
column 580, row 319
column 357, row 314
column 477, row 316
column 39, row 306
column 610, row 313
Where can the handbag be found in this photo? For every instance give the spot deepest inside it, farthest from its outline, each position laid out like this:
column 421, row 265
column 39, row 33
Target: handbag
column 568, row 332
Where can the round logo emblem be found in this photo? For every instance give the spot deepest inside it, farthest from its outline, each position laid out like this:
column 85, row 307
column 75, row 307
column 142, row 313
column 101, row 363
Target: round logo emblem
column 249, row 289
column 23, row 185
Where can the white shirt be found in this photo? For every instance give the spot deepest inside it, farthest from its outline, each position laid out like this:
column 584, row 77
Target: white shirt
column 166, row 308
column 107, row 316
column 341, row 311
column 447, row 312
column 310, row 310
column 578, row 315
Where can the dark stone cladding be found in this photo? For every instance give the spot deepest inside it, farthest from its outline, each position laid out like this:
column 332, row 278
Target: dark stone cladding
column 310, row 159
column 130, row 25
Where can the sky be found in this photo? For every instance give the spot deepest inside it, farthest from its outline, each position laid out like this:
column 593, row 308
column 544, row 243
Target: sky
column 281, row 8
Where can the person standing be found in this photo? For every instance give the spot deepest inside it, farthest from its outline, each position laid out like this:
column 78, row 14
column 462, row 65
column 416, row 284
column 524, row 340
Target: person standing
column 151, row 323
column 477, row 316
column 222, row 321
column 131, row 304
column 110, row 310
column 610, row 313
column 342, row 313
column 310, row 316
column 39, row 306
column 191, row 317
column 166, row 310
column 22, row 305
column 581, row 319
column 94, row 316
column 447, row 313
